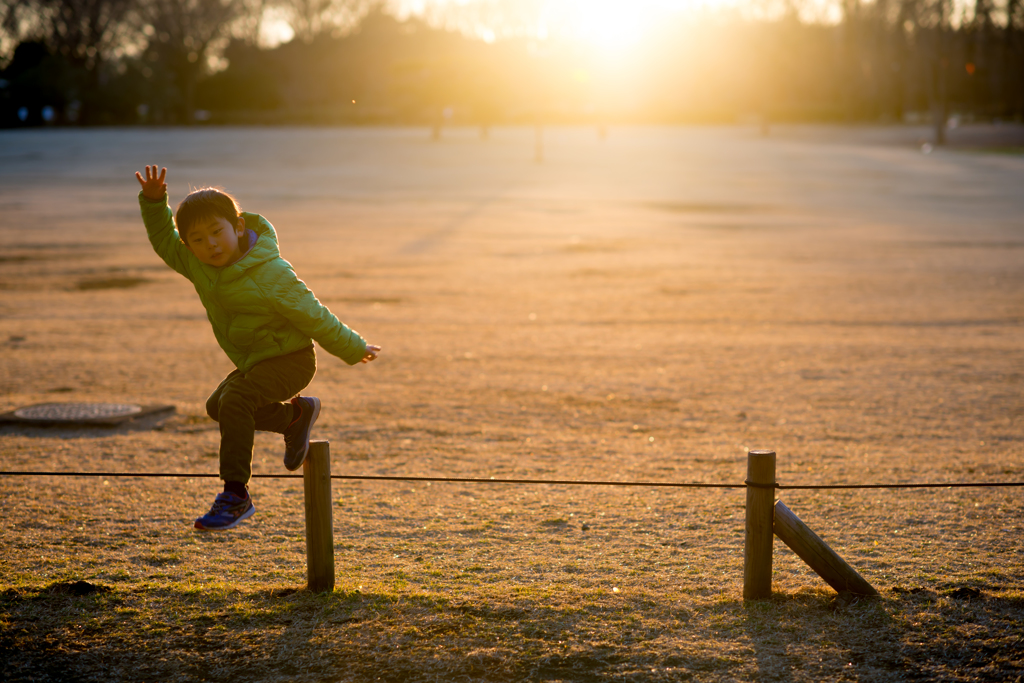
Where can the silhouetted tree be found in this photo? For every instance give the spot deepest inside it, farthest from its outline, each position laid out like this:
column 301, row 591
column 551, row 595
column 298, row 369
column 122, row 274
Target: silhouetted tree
column 938, row 55
column 82, row 36
column 1014, row 57
column 181, row 33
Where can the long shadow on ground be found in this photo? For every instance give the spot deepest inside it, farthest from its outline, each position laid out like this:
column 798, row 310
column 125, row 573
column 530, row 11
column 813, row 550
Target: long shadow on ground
column 82, row 632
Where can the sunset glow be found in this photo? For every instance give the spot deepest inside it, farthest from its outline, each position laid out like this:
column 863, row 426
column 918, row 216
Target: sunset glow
column 613, row 26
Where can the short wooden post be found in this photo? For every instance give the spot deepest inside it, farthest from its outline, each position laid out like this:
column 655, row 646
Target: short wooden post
column 816, row 553
column 757, row 550
column 316, row 477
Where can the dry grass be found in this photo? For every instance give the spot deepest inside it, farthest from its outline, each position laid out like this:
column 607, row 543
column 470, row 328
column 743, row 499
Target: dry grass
column 646, row 309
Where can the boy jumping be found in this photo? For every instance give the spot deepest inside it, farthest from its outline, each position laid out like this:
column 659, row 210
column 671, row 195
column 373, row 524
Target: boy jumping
column 264, row 317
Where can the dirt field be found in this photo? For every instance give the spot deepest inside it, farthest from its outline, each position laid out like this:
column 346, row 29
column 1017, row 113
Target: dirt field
column 646, row 307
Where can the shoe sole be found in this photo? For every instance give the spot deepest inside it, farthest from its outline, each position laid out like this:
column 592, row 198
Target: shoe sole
column 241, row 518
column 309, row 430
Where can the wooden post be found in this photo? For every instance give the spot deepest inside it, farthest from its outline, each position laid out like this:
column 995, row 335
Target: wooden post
column 757, row 550
column 816, row 553
column 316, row 477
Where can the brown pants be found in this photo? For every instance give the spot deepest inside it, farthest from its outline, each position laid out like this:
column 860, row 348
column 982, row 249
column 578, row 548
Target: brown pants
column 247, row 401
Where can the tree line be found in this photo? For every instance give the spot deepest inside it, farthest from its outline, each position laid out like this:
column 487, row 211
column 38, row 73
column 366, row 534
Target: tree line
column 88, row 62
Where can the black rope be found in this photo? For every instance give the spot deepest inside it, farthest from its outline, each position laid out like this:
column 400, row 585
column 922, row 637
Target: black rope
column 563, row 482
column 959, row 485
column 566, row 482
column 371, row 477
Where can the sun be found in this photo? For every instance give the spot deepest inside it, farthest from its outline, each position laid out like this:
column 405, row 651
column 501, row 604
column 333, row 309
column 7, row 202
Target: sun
column 611, row 25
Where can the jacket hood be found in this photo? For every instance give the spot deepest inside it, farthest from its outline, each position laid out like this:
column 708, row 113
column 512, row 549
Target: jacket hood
column 264, row 250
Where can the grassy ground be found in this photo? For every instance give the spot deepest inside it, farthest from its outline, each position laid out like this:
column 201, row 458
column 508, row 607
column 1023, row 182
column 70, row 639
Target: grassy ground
column 647, row 308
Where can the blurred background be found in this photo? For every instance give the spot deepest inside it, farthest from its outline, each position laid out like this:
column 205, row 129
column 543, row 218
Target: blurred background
column 495, row 62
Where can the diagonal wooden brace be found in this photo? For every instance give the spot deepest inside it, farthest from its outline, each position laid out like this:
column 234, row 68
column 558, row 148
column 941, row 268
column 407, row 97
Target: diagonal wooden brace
column 816, row 553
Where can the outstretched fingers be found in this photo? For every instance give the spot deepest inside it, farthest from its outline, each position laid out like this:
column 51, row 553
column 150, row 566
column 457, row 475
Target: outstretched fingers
column 154, row 184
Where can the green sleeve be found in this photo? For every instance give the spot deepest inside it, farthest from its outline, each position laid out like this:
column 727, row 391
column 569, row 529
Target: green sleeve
column 163, row 236
column 294, row 300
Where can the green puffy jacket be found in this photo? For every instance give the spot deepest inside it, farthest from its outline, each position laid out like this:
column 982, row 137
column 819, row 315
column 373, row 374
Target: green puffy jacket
column 258, row 307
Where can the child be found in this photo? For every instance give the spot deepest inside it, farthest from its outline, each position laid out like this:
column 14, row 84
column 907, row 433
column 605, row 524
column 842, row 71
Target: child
column 265, row 319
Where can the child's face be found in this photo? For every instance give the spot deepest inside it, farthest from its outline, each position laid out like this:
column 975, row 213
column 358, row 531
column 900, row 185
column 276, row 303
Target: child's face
column 214, row 240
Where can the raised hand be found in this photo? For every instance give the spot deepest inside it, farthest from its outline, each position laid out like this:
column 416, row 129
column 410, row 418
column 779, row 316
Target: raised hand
column 154, row 186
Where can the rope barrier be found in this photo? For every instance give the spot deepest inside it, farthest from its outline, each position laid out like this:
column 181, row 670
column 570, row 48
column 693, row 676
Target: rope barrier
column 958, row 485
column 371, row 477
column 561, row 482
column 954, row 485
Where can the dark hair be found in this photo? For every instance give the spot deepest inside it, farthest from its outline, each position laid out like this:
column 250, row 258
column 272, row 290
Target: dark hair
column 206, row 202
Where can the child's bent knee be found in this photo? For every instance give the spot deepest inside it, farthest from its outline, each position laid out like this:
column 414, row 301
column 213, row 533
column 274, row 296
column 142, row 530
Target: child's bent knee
column 230, row 403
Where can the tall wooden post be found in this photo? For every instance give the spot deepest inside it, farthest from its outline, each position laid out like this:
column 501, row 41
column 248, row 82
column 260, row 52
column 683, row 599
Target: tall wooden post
column 757, row 551
column 316, row 477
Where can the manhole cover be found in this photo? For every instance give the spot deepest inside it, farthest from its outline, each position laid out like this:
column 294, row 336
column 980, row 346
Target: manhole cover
column 75, row 412
column 67, row 414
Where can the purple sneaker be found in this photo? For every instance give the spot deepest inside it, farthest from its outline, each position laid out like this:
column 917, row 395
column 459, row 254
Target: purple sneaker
column 296, row 437
column 227, row 511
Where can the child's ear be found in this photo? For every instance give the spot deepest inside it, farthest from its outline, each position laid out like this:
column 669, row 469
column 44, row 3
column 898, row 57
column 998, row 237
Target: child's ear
column 240, row 226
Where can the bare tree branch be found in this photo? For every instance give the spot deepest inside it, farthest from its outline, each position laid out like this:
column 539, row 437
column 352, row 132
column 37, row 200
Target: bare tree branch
column 312, row 18
column 85, row 32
